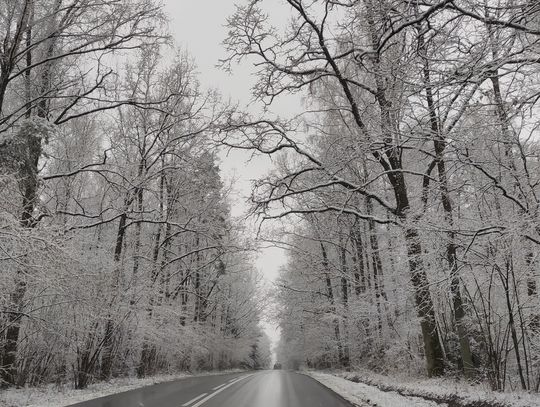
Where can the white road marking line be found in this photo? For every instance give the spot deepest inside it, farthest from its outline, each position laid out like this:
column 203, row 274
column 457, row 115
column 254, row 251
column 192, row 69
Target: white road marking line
column 194, row 400
column 217, row 387
column 204, row 400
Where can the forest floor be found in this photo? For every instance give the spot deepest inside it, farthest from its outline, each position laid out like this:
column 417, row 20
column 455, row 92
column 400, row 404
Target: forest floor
column 58, row 395
column 370, row 389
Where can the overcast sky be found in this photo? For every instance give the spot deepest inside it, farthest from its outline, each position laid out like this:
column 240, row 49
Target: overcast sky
column 198, row 27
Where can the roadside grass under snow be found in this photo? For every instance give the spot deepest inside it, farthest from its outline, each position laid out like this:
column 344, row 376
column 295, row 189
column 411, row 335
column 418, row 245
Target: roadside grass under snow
column 365, row 395
column 54, row 395
column 370, row 389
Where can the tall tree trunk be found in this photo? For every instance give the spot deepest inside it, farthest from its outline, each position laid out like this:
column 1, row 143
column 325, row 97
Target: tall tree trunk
column 197, row 283
column 28, row 176
column 424, row 305
column 139, row 194
column 345, row 301
column 148, row 350
column 358, row 260
column 378, row 282
column 29, row 186
column 505, row 279
column 109, row 334
column 391, row 162
column 330, row 294
column 512, row 179
column 439, row 143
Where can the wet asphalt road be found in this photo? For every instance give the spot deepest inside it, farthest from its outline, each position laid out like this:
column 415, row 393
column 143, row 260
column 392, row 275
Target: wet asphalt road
column 270, row 388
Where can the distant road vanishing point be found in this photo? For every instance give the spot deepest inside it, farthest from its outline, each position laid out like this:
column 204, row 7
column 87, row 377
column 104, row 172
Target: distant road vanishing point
column 276, row 388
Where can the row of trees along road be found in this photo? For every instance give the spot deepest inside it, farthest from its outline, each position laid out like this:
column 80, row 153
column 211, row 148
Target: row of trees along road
column 410, row 182
column 118, row 252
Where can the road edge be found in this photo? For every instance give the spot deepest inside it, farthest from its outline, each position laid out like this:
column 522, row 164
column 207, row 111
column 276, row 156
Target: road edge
column 339, row 395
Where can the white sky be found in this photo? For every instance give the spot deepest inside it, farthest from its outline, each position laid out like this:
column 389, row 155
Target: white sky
column 198, row 27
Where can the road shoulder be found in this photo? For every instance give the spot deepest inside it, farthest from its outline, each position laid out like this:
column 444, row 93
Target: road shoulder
column 363, row 395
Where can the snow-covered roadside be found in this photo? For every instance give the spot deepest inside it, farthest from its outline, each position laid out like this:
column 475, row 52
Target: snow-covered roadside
column 63, row 395
column 367, row 396
column 457, row 394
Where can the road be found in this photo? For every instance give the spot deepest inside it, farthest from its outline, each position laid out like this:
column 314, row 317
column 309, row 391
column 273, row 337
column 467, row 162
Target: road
column 272, row 388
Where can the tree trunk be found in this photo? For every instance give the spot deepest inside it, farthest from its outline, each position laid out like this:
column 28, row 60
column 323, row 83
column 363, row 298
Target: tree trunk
column 439, row 143
column 424, row 305
column 358, row 250
column 29, row 186
column 139, row 194
column 391, row 162
column 108, row 341
column 330, row 293
column 148, row 351
column 345, row 302
column 505, row 279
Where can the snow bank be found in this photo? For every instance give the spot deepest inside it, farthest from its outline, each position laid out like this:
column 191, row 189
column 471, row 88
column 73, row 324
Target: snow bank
column 364, row 395
column 63, row 395
column 366, row 385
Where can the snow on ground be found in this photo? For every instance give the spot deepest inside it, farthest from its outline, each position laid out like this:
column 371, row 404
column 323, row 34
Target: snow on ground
column 464, row 392
column 63, row 395
column 365, row 396
column 385, row 391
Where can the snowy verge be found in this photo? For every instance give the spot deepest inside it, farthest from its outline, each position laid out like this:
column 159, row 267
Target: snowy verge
column 442, row 391
column 363, row 395
column 62, row 395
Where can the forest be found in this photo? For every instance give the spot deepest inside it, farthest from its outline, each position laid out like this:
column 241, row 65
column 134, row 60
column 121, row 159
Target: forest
column 405, row 194
column 118, row 251
column 410, row 182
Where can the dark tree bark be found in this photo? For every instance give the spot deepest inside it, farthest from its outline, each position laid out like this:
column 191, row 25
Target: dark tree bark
column 439, row 144
column 358, row 260
column 342, row 356
column 344, row 279
column 107, row 356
